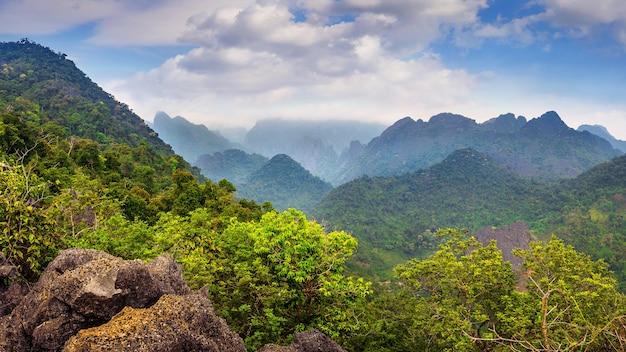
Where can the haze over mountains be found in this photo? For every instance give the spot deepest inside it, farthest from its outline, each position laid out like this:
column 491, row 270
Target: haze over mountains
column 544, row 148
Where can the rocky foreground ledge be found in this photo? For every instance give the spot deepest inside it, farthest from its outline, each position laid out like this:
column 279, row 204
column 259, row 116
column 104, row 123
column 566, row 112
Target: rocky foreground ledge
column 88, row 300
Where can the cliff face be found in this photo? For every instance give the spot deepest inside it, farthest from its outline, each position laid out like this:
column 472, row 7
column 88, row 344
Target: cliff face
column 88, row 300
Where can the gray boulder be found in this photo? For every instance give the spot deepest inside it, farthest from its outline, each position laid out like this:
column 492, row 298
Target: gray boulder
column 81, row 289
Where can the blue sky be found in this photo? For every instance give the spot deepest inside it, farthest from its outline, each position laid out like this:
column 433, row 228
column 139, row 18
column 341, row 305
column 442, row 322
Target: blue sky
column 230, row 63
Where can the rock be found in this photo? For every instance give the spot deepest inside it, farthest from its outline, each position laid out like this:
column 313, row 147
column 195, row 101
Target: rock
column 7, row 270
column 515, row 235
column 310, row 341
column 88, row 300
column 84, row 288
column 174, row 323
column 11, row 291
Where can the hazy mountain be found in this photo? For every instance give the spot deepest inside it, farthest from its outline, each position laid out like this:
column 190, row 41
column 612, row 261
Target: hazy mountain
column 544, row 147
column 188, row 139
column 232, row 164
column 284, row 183
column 234, row 134
column 316, row 145
column 602, row 132
column 506, row 123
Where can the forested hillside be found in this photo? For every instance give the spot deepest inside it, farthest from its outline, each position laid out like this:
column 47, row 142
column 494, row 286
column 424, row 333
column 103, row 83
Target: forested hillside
column 79, row 169
column 394, row 217
column 284, row 183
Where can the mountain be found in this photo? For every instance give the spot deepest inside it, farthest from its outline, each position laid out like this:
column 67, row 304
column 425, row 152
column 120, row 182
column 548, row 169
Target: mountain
column 594, row 217
column 49, row 88
column 314, row 144
column 394, row 217
column 188, row 139
column 602, row 132
column 284, row 183
column 53, row 113
column 544, row 147
column 232, row 164
column 505, row 123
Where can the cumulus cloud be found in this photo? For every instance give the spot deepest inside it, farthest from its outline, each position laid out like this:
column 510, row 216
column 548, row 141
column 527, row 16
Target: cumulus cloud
column 361, row 59
column 365, row 59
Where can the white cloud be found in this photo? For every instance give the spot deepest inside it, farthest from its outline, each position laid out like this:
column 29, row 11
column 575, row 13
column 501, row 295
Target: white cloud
column 345, row 59
column 582, row 13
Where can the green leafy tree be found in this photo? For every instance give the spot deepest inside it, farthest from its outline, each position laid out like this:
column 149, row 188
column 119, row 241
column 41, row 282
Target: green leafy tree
column 268, row 278
column 570, row 303
column 29, row 237
column 460, row 291
column 284, row 274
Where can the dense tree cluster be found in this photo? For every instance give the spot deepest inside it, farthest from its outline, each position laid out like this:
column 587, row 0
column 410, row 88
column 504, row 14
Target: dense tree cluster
column 78, row 169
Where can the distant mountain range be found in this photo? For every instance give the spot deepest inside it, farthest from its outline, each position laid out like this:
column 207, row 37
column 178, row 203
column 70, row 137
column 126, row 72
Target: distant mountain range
column 601, row 131
column 544, row 148
column 188, row 139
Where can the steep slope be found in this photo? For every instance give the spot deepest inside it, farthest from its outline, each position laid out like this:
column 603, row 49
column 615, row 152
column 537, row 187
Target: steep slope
column 602, row 132
column 286, row 184
column 69, row 133
column 49, row 87
column 188, row 139
column 594, row 218
column 543, row 147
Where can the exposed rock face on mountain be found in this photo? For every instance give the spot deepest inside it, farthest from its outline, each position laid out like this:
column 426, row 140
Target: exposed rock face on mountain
column 88, row 300
column 515, row 235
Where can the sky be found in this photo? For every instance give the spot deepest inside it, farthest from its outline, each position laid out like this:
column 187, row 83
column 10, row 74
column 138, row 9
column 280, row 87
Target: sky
column 229, row 63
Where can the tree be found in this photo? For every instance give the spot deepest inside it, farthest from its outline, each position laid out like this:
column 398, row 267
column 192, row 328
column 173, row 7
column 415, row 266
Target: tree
column 466, row 299
column 460, row 291
column 570, row 303
column 280, row 275
column 29, row 237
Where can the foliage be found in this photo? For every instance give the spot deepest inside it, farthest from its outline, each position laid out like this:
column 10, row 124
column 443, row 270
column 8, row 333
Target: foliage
column 286, row 184
column 30, row 238
column 461, row 290
column 401, row 213
column 466, row 299
column 267, row 278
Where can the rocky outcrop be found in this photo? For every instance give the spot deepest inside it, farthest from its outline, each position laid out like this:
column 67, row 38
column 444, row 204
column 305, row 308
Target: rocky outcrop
column 310, row 341
column 88, row 300
column 11, row 294
column 174, row 323
column 515, row 235
column 82, row 289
